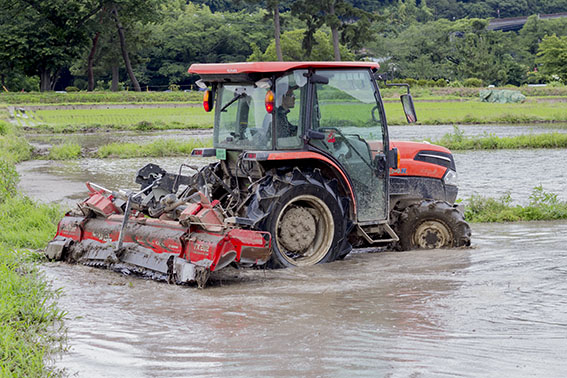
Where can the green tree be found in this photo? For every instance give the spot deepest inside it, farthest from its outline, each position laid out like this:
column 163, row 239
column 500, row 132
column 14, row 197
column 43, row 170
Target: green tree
column 552, row 56
column 125, row 13
column 292, row 47
column 273, row 9
column 453, row 50
column 338, row 16
column 193, row 34
column 39, row 37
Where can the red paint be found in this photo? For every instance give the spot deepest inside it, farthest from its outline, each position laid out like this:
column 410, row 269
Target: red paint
column 408, row 151
column 266, row 67
column 204, row 241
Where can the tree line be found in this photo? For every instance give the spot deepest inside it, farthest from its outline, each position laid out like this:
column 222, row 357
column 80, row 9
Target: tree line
column 143, row 44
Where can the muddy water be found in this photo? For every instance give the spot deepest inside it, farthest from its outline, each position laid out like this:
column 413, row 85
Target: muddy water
column 406, row 132
column 498, row 309
column 488, row 173
column 95, row 140
column 494, row 173
column 64, row 181
column 436, row 132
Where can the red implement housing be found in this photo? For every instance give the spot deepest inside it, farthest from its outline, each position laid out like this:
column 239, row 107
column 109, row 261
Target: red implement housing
column 183, row 250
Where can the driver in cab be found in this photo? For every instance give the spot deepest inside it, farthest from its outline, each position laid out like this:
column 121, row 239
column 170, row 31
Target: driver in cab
column 283, row 126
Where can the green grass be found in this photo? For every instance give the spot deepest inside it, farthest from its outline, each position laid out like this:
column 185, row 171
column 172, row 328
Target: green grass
column 65, row 151
column 30, row 322
column 31, row 325
column 159, row 148
column 13, row 148
column 68, row 120
column 476, row 112
column 542, row 206
column 98, row 97
column 27, row 224
column 457, row 141
column 130, row 97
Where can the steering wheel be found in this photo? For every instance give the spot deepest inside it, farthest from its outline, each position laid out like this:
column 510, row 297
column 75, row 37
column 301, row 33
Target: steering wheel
column 376, row 119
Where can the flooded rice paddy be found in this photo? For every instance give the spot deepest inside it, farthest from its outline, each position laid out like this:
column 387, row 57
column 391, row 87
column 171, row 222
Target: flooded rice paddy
column 92, row 140
column 486, row 173
column 496, row 309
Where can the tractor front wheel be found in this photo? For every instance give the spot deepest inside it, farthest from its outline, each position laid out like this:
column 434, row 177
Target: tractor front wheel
column 432, row 224
column 305, row 216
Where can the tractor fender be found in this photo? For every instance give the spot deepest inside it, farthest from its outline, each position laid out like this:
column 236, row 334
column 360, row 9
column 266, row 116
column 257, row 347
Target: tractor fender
column 310, row 159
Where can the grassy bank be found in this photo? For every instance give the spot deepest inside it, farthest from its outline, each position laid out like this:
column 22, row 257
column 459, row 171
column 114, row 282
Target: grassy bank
column 476, row 112
column 159, row 148
column 432, row 107
column 13, row 148
column 542, row 206
column 463, row 93
column 458, row 141
column 129, row 97
column 73, row 120
column 170, row 147
column 31, row 329
column 30, row 322
column 125, row 97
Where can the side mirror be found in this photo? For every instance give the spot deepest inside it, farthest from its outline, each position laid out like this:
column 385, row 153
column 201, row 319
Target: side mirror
column 319, row 79
column 409, row 109
column 393, row 158
column 314, row 134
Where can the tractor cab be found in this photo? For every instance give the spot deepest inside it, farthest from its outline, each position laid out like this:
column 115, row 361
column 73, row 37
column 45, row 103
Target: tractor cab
column 316, row 111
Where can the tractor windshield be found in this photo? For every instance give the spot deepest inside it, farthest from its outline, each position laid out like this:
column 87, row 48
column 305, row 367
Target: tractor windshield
column 242, row 120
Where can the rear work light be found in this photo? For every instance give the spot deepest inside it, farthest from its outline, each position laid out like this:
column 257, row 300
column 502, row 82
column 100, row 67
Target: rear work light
column 270, row 101
column 208, row 100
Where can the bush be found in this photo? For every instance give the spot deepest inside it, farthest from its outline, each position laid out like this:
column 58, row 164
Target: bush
column 537, row 78
column 456, row 84
column 80, row 83
column 4, row 127
column 441, row 83
column 21, row 82
column 473, row 82
column 71, row 89
column 542, row 206
column 158, row 148
column 14, row 149
column 422, row 83
column 64, row 152
column 411, row 82
column 8, row 180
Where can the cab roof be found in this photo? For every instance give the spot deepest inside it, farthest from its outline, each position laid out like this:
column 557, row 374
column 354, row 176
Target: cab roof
column 267, row 67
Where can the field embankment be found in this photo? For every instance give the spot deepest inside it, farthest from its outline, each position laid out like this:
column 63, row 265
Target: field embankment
column 31, row 324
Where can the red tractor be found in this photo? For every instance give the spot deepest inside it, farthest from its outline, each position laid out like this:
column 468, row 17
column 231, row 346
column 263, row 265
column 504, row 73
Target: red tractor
column 304, row 154
column 304, row 162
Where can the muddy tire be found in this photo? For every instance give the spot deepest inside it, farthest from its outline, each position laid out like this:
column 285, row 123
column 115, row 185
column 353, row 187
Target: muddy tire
column 305, row 216
column 432, row 224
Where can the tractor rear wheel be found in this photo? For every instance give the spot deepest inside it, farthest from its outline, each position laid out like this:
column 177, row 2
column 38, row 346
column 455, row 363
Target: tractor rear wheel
column 305, row 216
column 432, row 224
